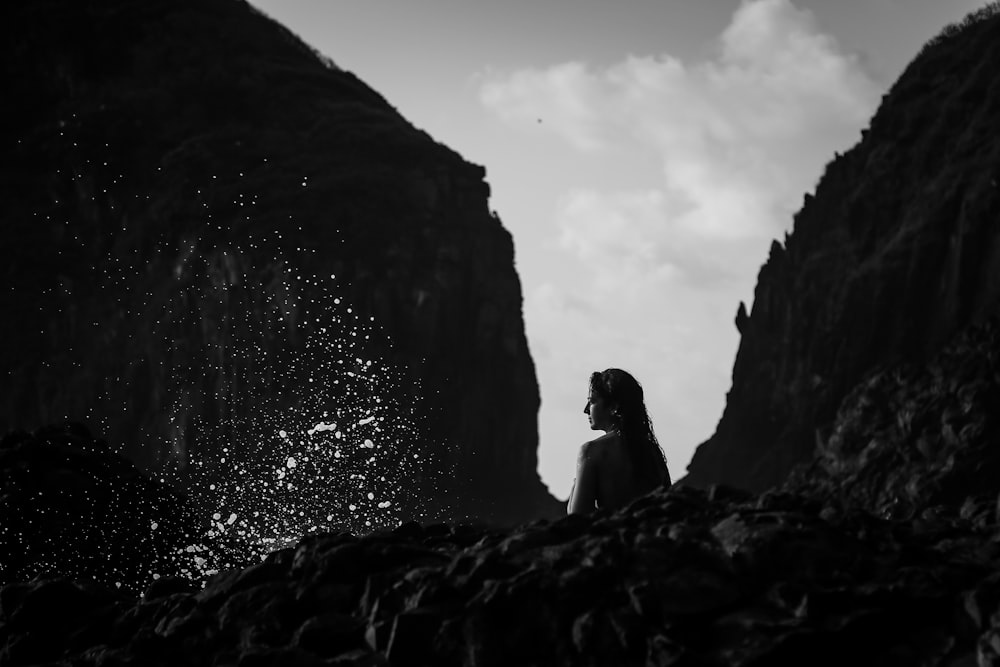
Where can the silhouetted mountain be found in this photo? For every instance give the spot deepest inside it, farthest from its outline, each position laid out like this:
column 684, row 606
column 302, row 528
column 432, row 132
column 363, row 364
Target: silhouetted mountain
column 895, row 255
column 224, row 252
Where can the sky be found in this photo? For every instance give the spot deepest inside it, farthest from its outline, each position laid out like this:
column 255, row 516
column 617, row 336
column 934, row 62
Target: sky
column 643, row 154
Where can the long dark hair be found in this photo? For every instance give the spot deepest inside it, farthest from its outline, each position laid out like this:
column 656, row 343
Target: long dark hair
column 620, row 389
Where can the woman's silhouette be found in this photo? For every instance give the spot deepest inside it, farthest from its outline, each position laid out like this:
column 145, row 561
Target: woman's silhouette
column 624, row 463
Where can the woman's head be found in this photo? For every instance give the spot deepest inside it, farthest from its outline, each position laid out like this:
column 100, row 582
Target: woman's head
column 615, row 403
column 614, row 398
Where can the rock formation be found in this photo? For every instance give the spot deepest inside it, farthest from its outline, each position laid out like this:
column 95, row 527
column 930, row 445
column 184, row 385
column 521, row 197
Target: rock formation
column 680, row 577
column 895, row 254
column 912, row 438
column 224, row 253
column 69, row 507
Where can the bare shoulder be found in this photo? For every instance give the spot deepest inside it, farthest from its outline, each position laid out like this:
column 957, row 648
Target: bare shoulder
column 599, row 447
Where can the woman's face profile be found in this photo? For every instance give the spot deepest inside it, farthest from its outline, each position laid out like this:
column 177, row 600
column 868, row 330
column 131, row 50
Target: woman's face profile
column 598, row 412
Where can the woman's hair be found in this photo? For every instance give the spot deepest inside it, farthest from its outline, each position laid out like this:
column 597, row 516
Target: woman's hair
column 632, row 421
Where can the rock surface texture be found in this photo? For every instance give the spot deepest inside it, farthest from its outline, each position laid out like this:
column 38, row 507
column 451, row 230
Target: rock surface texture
column 895, row 254
column 681, row 577
column 210, row 232
column 70, row 507
column 912, row 438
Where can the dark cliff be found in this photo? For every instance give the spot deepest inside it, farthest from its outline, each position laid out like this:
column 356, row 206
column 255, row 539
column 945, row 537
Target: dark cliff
column 895, row 254
column 216, row 241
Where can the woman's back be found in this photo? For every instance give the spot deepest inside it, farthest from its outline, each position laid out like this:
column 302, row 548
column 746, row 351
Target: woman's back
column 620, row 479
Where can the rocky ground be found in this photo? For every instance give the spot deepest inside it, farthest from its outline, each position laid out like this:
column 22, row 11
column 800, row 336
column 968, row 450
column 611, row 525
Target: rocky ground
column 681, row 577
column 70, row 506
column 912, row 437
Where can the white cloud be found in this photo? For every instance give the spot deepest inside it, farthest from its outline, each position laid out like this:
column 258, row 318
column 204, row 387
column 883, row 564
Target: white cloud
column 566, row 97
column 739, row 137
column 634, row 244
column 613, row 232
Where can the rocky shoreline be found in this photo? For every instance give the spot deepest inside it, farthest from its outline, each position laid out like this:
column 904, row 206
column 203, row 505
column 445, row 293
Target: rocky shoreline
column 681, row 577
column 70, row 506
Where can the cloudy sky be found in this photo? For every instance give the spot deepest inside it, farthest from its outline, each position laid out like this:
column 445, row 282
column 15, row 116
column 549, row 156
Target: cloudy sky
column 642, row 153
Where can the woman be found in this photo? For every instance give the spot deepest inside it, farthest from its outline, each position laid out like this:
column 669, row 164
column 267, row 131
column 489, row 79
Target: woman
column 624, row 463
